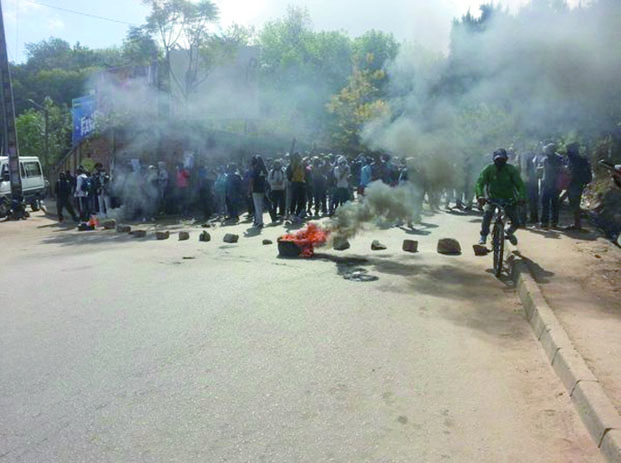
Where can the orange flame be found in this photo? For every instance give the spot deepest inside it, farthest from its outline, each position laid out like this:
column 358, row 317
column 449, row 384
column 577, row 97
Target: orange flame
column 307, row 238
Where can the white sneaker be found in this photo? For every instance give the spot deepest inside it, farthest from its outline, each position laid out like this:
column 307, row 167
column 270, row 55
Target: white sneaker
column 483, row 240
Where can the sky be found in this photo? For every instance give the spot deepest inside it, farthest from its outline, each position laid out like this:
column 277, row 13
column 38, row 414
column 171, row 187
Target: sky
column 426, row 22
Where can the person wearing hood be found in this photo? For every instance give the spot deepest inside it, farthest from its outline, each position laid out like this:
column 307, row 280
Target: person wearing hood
column 581, row 176
column 500, row 182
column 550, row 190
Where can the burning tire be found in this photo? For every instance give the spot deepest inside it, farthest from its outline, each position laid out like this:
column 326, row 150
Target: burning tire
column 288, row 249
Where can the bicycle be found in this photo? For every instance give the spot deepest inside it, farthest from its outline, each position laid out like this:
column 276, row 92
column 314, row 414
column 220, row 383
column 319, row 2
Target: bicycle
column 498, row 233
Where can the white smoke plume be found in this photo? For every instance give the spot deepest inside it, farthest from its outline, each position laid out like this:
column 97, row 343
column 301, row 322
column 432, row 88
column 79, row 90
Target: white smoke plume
column 380, row 202
column 510, row 80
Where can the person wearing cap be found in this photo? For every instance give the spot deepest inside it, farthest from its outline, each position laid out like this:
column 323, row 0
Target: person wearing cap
column 500, row 182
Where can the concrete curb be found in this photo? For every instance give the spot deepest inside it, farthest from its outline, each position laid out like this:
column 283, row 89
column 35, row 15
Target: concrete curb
column 595, row 408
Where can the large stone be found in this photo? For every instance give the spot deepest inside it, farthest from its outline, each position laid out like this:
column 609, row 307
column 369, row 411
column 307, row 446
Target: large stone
column 123, row 229
column 377, row 246
column 449, row 246
column 480, row 250
column 109, row 224
column 267, row 242
column 204, row 237
column 162, row 235
column 184, row 236
column 340, row 243
column 139, row 233
column 231, row 238
column 410, row 246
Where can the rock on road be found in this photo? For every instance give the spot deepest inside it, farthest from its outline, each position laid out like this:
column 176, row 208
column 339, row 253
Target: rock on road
column 116, row 349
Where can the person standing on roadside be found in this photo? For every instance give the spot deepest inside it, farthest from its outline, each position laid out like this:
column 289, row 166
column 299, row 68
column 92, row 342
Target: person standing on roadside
column 581, row 176
column 277, row 180
column 552, row 167
column 63, row 197
column 257, row 186
column 81, row 193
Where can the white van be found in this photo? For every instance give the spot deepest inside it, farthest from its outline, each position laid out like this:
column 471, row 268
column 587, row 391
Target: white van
column 33, row 183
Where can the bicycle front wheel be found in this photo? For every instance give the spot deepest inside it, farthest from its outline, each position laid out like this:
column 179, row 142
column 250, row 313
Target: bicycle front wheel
column 498, row 245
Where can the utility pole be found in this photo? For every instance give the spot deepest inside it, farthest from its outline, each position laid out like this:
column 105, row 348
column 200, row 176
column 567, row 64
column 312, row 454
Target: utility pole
column 9, row 130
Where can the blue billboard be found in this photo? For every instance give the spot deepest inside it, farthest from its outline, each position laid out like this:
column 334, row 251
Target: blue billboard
column 83, row 110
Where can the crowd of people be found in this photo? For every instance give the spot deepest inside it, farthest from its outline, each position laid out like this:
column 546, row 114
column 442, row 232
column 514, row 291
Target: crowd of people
column 297, row 187
column 293, row 187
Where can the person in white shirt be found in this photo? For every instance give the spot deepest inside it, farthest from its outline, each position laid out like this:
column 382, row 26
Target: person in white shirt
column 342, row 172
column 277, row 179
column 81, row 194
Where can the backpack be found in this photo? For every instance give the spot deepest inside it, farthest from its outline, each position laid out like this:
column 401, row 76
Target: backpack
column 86, row 185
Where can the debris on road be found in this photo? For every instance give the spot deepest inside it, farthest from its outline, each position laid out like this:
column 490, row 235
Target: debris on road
column 184, row 236
column 377, row 246
column 449, row 246
column 340, row 243
column 109, row 224
column 162, row 235
column 480, row 250
column 139, row 233
column 307, row 239
column 231, row 238
column 204, row 237
column 267, row 242
column 288, row 249
column 410, row 246
column 123, row 229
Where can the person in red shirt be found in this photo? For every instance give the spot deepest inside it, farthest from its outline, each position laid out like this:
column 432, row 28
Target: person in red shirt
column 183, row 181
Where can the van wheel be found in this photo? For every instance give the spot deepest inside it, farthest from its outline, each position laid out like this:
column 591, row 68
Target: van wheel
column 4, row 208
column 35, row 205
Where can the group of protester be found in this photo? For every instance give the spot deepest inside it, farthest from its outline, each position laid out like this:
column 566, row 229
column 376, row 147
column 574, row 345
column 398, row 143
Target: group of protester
column 83, row 194
column 297, row 187
column 293, row 187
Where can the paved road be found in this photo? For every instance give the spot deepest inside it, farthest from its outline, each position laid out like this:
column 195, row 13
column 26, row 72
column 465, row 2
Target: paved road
column 116, row 349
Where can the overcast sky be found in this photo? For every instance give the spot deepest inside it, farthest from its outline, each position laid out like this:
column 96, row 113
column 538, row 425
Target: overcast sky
column 425, row 21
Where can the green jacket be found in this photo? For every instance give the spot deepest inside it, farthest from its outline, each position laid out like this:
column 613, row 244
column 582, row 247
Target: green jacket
column 504, row 183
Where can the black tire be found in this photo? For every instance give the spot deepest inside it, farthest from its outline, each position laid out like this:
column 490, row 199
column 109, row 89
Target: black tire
column 498, row 247
column 5, row 208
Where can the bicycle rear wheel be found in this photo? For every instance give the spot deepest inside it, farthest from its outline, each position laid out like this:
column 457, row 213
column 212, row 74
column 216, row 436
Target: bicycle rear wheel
column 498, row 246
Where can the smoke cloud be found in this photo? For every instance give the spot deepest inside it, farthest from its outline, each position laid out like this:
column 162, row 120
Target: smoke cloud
column 511, row 79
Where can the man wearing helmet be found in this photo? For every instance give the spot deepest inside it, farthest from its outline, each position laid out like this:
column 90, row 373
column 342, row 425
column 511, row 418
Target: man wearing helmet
column 500, row 182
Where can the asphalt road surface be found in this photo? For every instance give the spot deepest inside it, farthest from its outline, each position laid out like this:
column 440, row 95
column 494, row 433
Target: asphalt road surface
column 128, row 350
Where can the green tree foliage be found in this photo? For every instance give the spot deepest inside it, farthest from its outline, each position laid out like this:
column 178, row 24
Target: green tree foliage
column 374, row 49
column 139, row 48
column 31, row 133
column 356, row 104
column 183, row 24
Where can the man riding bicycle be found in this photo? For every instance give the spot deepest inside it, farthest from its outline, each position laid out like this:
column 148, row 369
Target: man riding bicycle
column 500, row 183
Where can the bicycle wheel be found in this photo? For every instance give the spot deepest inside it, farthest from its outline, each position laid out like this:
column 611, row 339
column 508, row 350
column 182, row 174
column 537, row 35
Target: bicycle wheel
column 498, row 246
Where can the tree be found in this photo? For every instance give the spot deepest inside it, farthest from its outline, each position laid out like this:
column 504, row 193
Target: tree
column 31, row 133
column 139, row 48
column 358, row 103
column 374, row 49
column 183, row 24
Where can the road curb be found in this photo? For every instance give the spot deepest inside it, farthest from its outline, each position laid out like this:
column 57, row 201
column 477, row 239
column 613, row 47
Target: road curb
column 593, row 405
